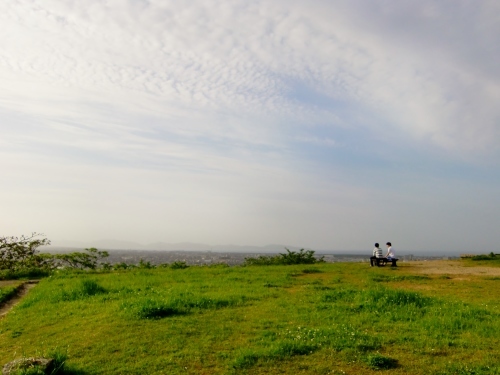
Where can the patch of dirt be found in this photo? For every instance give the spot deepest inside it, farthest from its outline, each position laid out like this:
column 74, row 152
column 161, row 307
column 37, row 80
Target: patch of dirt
column 9, row 282
column 452, row 267
column 21, row 291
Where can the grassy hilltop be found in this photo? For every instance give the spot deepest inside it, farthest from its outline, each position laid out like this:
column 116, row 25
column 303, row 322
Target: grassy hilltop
column 343, row 318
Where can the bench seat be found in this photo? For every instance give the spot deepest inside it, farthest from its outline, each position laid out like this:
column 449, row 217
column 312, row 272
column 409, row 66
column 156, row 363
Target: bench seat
column 380, row 262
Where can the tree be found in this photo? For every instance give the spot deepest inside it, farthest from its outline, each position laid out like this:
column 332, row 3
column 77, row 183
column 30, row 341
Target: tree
column 18, row 253
column 91, row 259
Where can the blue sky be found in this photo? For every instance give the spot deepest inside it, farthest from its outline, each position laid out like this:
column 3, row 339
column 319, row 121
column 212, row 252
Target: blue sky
column 326, row 125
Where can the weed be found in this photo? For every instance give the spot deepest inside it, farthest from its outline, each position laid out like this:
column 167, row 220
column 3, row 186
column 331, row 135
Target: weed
column 345, row 295
column 6, row 293
column 87, row 288
column 385, row 298
column 290, row 349
column 25, row 273
column 386, row 278
column 311, row 270
column 153, row 309
column 246, row 359
column 380, row 362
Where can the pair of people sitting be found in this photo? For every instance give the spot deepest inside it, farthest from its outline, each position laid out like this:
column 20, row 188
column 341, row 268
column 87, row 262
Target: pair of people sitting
column 377, row 253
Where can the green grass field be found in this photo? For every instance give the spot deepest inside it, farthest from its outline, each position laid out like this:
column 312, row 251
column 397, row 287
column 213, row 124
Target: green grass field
column 342, row 318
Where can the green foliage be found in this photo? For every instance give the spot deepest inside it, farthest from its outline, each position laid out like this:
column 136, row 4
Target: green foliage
column 288, row 258
column 86, row 288
column 152, row 309
column 20, row 258
column 24, row 273
column 311, row 270
column 145, row 265
column 19, row 253
column 178, row 304
column 88, row 260
column 380, row 362
column 490, row 256
column 120, row 266
column 179, row 265
column 387, row 278
column 6, row 293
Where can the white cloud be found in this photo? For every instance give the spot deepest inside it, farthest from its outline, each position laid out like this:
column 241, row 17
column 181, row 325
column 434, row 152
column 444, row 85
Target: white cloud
column 213, row 96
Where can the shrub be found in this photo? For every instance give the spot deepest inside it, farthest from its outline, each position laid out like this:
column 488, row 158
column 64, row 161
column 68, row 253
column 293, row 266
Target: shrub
column 289, row 258
column 380, row 362
column 152, row 309
column 145, row 265
column 120, row 266
column 179, row 265
column 490, row 256
column 87, row 288
column 311, row 270
column 26, row 273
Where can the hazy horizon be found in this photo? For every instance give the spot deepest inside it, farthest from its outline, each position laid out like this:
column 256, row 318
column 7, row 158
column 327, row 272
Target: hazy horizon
column 232, row 248
column 326, row 124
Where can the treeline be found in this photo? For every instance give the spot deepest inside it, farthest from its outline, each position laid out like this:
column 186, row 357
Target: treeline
column 21, row 258
column 490, row 256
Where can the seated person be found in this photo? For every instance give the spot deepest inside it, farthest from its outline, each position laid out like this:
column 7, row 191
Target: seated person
column 377, row 253
column 390, row 252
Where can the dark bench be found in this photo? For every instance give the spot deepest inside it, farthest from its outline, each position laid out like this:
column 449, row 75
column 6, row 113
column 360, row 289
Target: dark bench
column 380, row 262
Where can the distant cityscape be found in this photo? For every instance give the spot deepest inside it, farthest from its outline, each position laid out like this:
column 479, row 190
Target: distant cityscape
column 157, row 257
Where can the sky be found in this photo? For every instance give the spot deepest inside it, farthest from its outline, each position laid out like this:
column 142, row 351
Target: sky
column 327, row 124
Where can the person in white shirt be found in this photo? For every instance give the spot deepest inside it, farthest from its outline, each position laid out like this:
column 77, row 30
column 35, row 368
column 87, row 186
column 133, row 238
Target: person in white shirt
column 390, row 251
column 377, row 253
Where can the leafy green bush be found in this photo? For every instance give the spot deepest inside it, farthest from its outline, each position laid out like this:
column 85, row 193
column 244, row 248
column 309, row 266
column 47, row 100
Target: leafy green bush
column 289, row 258
column 145, row 265
column 179, row 265
column 26, row 273
column 490, row 256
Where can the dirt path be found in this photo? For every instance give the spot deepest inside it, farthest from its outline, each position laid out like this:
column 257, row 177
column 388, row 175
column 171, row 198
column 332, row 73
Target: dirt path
column 22, row 290
column 452, row 267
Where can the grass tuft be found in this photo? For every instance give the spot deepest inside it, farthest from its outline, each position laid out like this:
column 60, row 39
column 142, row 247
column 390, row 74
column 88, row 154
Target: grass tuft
column 380, row 362
column 86, row 288
column 311, row 270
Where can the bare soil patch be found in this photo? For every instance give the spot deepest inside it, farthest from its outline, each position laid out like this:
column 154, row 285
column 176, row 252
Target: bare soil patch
column 22, row 290
column 452, row 267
